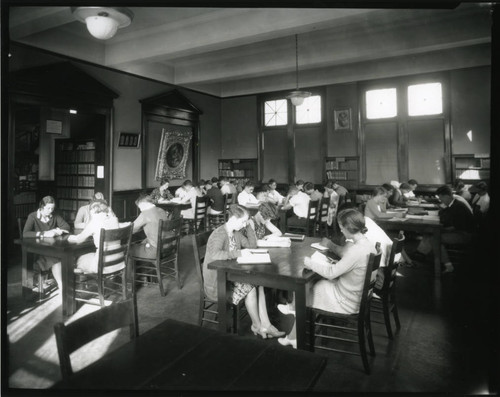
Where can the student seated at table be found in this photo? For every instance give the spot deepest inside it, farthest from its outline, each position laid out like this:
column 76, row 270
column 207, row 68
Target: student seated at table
column 389, row 192
column 263, row 194
column 261, row 221
column 246, row 197
column 161, row 194
column 458, row 226
column 187, row 194
column 299, row 201
column 376, row 207
column 148, row 221
column 224, row 185
column 398, row 197
column 101, row 218
column 481, row 201
column 340, row 190
column 228, row 242
column 340, row 290
column 410, row 194
column 235, row 187
column 300, row 185
column 200, row 188
column 83, row 215
column 273, row 195
column 313, row 193
column 44, row 223
column 215, row 196
column 333, row 202
column 461, row 190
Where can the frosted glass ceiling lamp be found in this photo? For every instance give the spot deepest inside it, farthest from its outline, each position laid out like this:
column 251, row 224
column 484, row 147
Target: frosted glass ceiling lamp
column 297, row 97
column 103, row 22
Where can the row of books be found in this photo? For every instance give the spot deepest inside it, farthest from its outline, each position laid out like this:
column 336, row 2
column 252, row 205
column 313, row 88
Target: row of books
column 25, row 198
column 69, row 216
column 67, row 192
column 74, row 180
column 70, row 145
column 341, row 175
column 233, row 173
column 225, row 165
column 23, row 210
column 77, row 156
column 73, row 169
column 65, row 204
column 342, row 165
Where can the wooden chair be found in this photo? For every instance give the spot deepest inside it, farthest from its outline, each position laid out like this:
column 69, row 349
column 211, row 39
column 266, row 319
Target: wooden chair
column 309, row 227
column 200, row 217
column 385, row 288
column 229, row 200
column 165, row 264
column 112, row 264
column 215, row 220
column 40, row 275
column 78, row 333
column 207, row 306
column 322, row 224
column 358, row 324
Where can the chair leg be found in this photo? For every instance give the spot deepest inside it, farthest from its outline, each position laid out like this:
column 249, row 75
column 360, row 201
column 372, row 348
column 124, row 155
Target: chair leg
column 40, row 285
column 124, row 285
column 311, row 329
column 100, row 290
column 200, row 309
column 396, row 315
column 387, row 317
column 177, row 275
column 160, row 280
column 362, row 346
column 236, row 320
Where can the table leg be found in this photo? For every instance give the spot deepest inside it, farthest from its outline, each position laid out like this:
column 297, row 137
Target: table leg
column 68, row 285
column 436, row 241
column 26, row 289
column 222, row 304
column 300, row 316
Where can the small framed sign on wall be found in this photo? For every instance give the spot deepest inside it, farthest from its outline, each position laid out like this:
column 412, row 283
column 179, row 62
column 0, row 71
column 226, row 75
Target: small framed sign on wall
column 129, row 139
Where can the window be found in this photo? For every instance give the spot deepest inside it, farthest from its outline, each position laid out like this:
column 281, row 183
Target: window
column 310, row 111
column 275, row 113
column 381, row 103
column 425, row 99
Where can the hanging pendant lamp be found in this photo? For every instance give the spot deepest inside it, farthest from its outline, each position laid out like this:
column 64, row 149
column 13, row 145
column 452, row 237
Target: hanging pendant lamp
column 103, row 22
column 297, row 97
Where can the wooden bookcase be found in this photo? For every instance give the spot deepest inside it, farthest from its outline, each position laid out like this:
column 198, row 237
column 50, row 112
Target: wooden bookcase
column 345, row 170
column 242, row 170
column 76, row 180
column 470, row 168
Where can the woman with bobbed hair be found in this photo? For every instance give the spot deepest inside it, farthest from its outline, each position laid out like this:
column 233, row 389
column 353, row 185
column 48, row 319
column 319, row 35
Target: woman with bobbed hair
column 340, row 290
column 261, row 221
column 44, row 223
column 228, row 242
column 161, row 194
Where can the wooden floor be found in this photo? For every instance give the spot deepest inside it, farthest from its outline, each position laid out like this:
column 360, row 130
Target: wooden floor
column 443, row 345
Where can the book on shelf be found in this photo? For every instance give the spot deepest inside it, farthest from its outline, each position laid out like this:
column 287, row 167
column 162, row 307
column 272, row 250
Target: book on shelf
column 294, row 236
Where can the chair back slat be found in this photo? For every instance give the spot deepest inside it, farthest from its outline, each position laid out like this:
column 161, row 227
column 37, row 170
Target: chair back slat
column 114, row 247
column 199, row 250
column 390, row 271
column 323, row 209
column 169, row 234
column 78, row 333
column 370, row 279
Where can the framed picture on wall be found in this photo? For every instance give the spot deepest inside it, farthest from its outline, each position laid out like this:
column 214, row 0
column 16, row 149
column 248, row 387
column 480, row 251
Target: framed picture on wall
column 129, row 139
column 342, row 118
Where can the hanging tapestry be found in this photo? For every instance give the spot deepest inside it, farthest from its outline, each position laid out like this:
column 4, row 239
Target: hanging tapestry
column 173, row 154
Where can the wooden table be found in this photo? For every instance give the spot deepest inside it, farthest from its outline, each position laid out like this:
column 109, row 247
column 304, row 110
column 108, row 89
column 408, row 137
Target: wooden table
column 286, row 272
column 174, row 208
column 57, row 247
column 181, row 356
column 422, row 226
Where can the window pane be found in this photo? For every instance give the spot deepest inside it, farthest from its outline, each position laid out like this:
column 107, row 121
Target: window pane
column 381, row 103
column 425, row 99
column 310, row 111
column 275, row 113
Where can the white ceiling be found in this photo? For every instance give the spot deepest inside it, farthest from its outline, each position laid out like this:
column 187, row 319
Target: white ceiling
column 238, row 51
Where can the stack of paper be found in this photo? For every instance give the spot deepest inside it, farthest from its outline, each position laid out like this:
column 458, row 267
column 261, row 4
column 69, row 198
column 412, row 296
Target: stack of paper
column 320, row 247
column 254, row 258
column 275, row 242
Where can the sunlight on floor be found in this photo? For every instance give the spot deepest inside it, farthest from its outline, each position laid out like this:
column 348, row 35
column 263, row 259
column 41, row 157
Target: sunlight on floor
column 24, row 324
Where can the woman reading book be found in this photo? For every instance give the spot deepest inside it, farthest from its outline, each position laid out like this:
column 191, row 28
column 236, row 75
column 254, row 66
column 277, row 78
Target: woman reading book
column 228, row 242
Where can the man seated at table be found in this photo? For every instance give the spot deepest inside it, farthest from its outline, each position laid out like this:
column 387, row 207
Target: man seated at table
column 313, row 194
column 300, row 185
column 376, row 207
column 340, row 190
column 215, row 196
column 263, row 194
column 299, row 201
column 458, row 226
column 187, row 194
column 161, row 194
column 462, row 190
column 398, row 197
column 273, row 195
column 148, row 221
column 246, row 197
column 410, row 194
column 481, row 201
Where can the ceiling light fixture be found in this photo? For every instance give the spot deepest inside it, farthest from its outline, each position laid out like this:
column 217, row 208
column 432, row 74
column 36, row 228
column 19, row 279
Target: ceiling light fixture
column 103, row 22
column 297, row 97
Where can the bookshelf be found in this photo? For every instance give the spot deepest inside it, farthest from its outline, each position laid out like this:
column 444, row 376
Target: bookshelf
column 241, row 169
column 75, row 175
column 345, row 170
column 471, row 168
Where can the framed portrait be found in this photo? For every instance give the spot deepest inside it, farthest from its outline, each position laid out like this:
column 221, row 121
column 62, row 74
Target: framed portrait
column 173, row 154
column 343, row 119
column 129, row 139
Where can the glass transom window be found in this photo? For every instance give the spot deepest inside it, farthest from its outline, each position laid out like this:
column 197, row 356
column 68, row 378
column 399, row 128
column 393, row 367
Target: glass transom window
column 310, row 111
column 425, row 99
column 381, row 103
column 275, row 113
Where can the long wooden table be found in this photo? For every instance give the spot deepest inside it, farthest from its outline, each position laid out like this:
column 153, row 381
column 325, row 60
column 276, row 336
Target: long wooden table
column 57, row 247
column 180, row 356
column 174, row 208
column 422, row 226
column 286, row 272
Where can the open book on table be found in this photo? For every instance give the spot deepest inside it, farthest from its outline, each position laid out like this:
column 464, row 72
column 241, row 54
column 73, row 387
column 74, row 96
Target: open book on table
column 274, row 241
column 319, row 257
column 319, row 247
column 254, row 258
